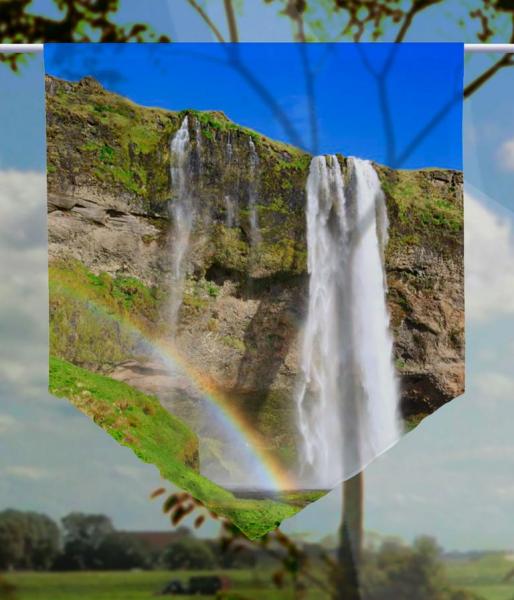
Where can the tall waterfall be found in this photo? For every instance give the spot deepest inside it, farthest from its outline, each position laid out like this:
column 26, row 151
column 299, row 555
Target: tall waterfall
column 182, row 214
column 347, row 395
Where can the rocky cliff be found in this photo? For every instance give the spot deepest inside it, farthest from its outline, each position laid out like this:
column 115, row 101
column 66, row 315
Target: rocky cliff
column 109, row 192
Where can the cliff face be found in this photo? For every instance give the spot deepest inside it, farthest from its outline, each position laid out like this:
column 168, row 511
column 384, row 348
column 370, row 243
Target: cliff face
column 109, row 192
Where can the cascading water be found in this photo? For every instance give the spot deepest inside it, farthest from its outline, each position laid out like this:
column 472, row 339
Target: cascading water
column 182, row 214
column 198, row 138
column 231, row 208
column 252, row 195
column 231, row 216
column 225, row 455
column 347, row 396
column 229, row 149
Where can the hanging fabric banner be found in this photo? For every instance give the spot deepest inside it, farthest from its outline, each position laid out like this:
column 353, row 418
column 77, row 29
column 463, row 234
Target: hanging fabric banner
column 255, row 257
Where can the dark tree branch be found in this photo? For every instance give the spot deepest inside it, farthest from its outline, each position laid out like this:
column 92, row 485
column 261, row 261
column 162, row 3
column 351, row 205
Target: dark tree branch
column 205, row 17
column 234, row 60
column 479, row 81
column 505, row 61
column 417, row 7
column 311, row 97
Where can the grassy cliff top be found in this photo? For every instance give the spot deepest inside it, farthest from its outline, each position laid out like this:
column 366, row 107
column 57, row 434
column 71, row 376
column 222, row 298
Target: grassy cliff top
column 101, row 139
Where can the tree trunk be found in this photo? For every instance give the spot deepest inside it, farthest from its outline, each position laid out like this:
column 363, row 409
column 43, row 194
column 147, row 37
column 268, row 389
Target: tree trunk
column 346, row 580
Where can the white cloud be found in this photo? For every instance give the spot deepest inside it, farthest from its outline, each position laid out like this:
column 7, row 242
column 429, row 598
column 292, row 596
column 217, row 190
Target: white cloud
column 27, row 472
column 506, row 155
column 489, row 261
column 23, row 285
column 495, row 385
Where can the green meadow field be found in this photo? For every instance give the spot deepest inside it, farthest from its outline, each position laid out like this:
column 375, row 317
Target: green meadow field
column 483, row 576
column 246, row 585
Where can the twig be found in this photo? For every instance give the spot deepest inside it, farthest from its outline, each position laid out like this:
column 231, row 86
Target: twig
column 311, row 97
column 471, row 88
column 417, row 6
column 210, row 23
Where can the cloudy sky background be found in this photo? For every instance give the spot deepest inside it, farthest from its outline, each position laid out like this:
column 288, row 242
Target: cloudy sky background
column 452, row 478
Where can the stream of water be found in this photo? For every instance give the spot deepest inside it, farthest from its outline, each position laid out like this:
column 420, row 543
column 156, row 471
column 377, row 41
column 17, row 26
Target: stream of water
column 347, row 395
column 182, row 215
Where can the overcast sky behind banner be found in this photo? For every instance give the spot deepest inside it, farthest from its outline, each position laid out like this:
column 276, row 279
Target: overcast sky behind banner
column 451, row 478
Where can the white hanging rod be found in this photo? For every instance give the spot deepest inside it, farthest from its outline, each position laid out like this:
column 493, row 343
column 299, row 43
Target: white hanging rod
column 478, row 48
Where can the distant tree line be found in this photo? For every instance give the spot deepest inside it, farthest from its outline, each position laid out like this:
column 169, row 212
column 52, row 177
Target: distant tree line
column 391, row 569
column 33, row 541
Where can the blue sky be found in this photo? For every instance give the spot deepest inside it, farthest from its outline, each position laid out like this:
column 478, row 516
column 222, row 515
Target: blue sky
column 451, row 478
column 422, row 81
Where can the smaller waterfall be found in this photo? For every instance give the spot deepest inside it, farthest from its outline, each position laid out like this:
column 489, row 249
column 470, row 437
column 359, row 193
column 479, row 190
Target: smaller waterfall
column 198, row 138
column 182, row 214
column 255, row 236
column 231, row 211
column 229, row 150
column 347, row 397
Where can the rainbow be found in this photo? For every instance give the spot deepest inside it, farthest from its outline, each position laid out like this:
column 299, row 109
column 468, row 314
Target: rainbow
column 267, row 472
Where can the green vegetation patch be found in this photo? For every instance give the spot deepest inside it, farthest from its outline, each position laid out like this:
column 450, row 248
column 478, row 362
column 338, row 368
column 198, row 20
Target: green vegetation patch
column 425, row 208
column 132, row 418
column 116, row 142
column 96, row 321
column 139, row 422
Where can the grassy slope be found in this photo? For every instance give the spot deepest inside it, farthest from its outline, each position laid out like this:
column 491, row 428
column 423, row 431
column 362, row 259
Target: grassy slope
column 139, row 422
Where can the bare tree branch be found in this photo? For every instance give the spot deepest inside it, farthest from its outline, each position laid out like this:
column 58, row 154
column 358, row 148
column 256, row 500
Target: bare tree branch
column 417, row 7
column 210, row 23
column 478, row 82
column 505, row 61
column 311, row 97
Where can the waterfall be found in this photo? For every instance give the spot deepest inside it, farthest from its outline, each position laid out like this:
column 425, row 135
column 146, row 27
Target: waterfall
column 347, row 394
column 228, row 149
column 231, row 216
column 252, row 195
column 182, row 215
column 198, row 138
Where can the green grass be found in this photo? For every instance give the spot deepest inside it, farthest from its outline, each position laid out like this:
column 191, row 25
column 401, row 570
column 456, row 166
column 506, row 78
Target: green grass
column 249, row 584
column 90, row 315
column 138, row 421
column 483, row 576
column 132, row 418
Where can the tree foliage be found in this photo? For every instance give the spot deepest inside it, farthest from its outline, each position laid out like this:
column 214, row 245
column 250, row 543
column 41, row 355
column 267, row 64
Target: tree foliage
column 83, row 534
column 123, row 551
column 81, row 21
column 396, row 571
column 188, row 553
column 391, row 570
column 28, row 540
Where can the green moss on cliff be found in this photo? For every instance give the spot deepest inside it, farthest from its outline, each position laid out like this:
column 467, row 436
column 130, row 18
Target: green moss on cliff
column 96, row 320
column 425, row 208
column 118, row 144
